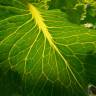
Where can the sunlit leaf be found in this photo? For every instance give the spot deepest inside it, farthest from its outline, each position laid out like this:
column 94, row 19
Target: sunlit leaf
column 52, row 56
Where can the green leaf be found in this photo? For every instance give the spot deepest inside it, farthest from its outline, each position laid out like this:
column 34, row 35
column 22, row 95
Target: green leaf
column 62, row 3
column 78, row 11
column 52, row 56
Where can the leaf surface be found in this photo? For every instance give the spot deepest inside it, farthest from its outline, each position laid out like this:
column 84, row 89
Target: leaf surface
column 53, row 56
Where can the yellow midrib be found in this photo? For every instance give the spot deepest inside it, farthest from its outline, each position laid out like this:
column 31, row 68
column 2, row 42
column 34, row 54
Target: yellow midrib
column 42, row 27
column 39, row 22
